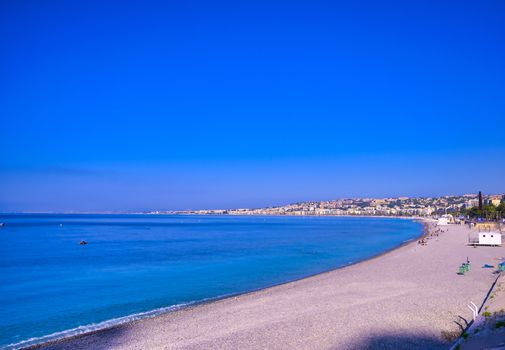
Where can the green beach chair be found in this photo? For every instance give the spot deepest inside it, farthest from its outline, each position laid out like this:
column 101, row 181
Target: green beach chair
column 464, row 268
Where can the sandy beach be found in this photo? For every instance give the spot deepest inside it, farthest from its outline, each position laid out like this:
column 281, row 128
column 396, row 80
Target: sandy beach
column 409, row 298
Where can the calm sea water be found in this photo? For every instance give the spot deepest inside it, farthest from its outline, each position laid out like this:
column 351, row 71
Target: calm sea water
column 139, row 263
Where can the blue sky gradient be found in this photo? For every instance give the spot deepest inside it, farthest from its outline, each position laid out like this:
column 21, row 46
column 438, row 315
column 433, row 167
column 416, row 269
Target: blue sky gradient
column 175, row 105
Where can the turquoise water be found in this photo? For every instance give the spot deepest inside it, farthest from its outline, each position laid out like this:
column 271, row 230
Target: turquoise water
column 133, row 264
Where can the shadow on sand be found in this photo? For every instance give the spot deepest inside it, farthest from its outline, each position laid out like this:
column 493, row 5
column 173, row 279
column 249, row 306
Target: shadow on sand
column 117, row 338
column 401, row 341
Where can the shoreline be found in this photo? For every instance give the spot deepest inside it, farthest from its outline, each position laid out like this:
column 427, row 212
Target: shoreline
column 408, row 298
column 139, row 317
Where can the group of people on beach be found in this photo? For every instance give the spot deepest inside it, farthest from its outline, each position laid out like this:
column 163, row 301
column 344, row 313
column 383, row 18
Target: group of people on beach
column 422, row 242
column 432, row 232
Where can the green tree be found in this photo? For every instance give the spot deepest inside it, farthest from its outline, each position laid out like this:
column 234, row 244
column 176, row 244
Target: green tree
column 474, row 212
column 501, row 209
column 489, row 211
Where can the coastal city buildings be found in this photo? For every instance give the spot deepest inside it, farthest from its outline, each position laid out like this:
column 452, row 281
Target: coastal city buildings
column 401, row 206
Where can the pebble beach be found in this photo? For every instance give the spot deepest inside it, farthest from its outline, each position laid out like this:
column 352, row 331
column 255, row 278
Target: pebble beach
column 409, row 298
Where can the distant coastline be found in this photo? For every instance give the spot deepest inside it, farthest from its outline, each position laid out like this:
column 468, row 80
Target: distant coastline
column 374, row 207
column 397, row 207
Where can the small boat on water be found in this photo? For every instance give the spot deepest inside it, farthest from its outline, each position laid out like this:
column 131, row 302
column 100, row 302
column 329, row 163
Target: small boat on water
column 2, row 224
column 83, row 243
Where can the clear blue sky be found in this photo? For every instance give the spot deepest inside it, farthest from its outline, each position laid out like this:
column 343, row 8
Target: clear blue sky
column 121, row 105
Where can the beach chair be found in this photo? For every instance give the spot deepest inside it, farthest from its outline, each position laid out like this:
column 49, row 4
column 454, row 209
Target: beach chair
column 464, row 268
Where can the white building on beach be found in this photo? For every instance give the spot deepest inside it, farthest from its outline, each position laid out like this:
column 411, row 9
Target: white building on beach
column 489, row 238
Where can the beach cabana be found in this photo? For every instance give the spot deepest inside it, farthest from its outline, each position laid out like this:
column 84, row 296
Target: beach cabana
column 489, row 238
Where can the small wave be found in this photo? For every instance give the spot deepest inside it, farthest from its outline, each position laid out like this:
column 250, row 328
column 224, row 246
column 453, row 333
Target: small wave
column 95, row 326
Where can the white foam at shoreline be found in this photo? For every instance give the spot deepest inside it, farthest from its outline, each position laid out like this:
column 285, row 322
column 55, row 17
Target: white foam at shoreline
column 94, row 326
column 108, row 323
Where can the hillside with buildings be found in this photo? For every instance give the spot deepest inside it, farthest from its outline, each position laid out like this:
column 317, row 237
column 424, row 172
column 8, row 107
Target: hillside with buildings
column 475, row 205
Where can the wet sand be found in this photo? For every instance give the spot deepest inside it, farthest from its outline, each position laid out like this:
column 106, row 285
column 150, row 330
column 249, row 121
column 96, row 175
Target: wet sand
column 409, row 298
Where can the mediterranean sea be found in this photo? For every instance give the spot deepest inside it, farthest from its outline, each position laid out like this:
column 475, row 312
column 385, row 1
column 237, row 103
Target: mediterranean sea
column 136, row 266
